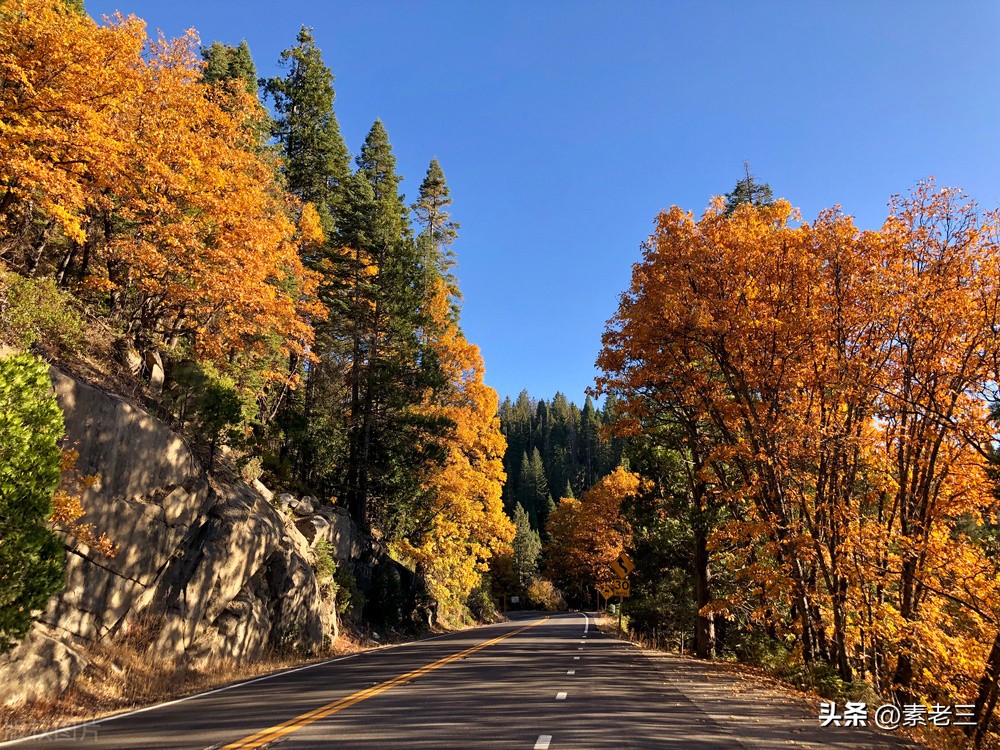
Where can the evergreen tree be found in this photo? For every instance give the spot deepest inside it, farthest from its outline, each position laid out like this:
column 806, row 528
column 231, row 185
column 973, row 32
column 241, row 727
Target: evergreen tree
column 748, row 190
column 527, row 547
column 590, row 442
column 224, row 62
column 571, row 451
column 524, row 481
column 316, row 161
column 316, row 167
column 439, row 231
column 389, row 366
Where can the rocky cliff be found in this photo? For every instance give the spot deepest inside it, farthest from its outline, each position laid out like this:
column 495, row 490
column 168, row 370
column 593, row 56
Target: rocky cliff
column 216, row 568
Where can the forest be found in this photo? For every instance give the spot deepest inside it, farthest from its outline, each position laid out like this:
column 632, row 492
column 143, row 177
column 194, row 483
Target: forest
column 293, row 314
column 793, row 432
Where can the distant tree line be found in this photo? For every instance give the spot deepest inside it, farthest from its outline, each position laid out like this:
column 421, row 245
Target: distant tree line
column 555, row 449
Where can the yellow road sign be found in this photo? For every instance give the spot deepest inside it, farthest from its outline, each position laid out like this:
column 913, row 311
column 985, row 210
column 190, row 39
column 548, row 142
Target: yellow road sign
column 623, row 565
column 621, row 587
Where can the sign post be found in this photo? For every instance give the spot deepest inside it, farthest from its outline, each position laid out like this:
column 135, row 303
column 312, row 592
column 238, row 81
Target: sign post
column 621, row 588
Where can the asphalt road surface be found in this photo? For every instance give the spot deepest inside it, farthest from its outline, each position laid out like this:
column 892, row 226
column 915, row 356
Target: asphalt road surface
column 535, row 682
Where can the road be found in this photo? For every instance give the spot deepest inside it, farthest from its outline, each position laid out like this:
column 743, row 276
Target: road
column 536, row 682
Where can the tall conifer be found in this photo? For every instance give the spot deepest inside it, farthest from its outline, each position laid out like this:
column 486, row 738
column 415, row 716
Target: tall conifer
column 317, row 163
column 438, row 230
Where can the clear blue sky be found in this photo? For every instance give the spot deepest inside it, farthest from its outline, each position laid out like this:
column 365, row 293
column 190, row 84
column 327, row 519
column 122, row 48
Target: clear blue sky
column 564, row 127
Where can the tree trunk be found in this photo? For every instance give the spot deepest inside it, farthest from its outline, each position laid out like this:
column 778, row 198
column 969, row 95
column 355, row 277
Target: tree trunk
column 705, row 624
column 989, row 687
column 840, row 631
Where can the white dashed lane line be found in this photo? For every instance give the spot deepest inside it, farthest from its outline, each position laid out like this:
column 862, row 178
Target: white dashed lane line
column 543, row 741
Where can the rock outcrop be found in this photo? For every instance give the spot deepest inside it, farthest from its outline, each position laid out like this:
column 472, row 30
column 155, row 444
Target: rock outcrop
column 208, row 563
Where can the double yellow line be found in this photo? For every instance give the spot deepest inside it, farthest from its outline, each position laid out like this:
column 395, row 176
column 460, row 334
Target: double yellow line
column 280, row 730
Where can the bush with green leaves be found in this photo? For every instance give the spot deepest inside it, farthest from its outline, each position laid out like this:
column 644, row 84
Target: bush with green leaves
column 31, row 555
column 482, row 606
column 37, row 311
column 348, row 594
column 323, row 562
column 208, row 404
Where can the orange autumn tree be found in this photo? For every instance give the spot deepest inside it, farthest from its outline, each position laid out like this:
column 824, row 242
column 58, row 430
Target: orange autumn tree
column 465, row 523
column 149, row 186
column 838, row 380
column 588, row 534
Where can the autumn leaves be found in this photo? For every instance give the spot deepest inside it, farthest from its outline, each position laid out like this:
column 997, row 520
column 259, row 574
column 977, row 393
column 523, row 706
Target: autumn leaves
column 167, row 205
column 832, row 387
column 288, row 296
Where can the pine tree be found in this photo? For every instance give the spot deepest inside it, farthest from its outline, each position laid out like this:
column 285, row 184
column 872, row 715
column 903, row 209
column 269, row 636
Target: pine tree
column 317, row 163
column 439, row 231
column 527, row 546
column 535, row 490
column 227, row 66
column 389, row 367
column 316, row 167
column 748, row 190
column 523, row 493
column 223, row 62
column 590, row 442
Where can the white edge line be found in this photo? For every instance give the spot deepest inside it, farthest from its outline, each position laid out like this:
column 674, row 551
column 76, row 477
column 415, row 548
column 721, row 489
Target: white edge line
column 233, row 686
column 586, row 622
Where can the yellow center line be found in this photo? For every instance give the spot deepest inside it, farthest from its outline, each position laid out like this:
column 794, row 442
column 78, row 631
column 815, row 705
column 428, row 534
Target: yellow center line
column 270, row 734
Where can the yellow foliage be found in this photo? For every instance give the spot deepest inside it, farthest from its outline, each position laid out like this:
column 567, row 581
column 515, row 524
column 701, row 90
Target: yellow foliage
column 838, row 378
column 469, row 525
column 117, row 139
column 588, row 534
column 67, row 508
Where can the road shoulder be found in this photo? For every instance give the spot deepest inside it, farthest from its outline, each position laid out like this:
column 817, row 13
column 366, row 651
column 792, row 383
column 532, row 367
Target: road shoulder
column 764, row 714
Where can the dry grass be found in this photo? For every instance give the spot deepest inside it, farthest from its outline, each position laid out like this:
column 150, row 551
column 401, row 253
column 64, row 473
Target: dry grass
column 120, row 676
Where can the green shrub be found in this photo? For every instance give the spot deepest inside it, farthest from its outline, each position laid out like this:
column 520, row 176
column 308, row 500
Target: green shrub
column 251, row 469
column 36, row 311
column 323, row 561
column 481, row 603
column 208, row 404
column 348, row 595
column 31, row 555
